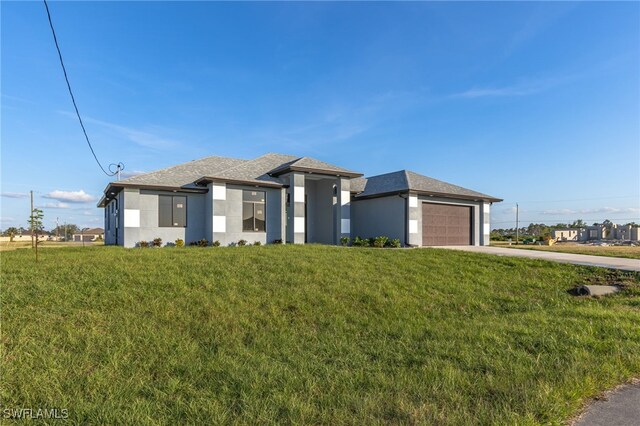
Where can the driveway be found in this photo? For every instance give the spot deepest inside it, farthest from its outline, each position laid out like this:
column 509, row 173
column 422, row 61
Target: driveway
column 620, row 407
column 576, row 259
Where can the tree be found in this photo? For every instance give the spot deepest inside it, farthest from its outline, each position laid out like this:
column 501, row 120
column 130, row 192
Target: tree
column 65, row 231
column 11, row 233
column 35, row 223
column 578, row 224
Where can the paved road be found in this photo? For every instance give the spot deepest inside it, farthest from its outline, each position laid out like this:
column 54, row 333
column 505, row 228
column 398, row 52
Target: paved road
column 621, row 407
column 576, row 259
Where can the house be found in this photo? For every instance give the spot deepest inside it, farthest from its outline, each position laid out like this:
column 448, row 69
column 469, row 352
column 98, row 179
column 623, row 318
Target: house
column 291, row 199
column 627, row 232
column 598, row 232
column 566, row 234
column 88, row 234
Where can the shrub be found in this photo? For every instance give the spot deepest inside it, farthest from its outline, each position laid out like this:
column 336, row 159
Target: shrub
column 143, row 244
column 380, row 241
column 395, row 243
column 179, row 243
column 257, row 243
column 157, row 242
column 203, row 243
column 344, row 241
column 193, row 243
column 277, row 242
column 216, row 243
column 360, row 242
column 242, row 243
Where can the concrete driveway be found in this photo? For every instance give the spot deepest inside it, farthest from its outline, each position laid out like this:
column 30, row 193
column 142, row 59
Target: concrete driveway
column 576, row 259
column 620, row 407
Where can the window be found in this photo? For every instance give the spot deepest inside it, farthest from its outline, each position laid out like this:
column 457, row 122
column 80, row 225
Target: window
column 253, row 211
column 172, row 211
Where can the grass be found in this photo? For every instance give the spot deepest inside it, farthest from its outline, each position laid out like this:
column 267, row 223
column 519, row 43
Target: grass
column 609, row 251
column 309, row 334
column 15, row 245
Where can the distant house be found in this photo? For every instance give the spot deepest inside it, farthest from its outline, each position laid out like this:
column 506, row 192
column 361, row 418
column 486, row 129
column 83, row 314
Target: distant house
column 566, row 234
column 89, row 234
column 598, row 232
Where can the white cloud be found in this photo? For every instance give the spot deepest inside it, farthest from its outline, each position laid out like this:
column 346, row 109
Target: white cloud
column 57, row 205
column 559, row 211
column 7, row 219
column 14, row 194
column 70, row 196
column 612, row 210
column 608, row 210
column 143, row 138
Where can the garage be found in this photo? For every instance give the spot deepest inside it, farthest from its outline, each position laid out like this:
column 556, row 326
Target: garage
column 446, row 225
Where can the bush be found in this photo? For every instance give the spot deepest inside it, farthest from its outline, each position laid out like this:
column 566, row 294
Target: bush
column 276, row 242
column 360, row 242
column 216, row 243
column 344, row 241
column 395, row 243
column 202, row 243
column 380, row 241
column 179, row 243
column 257, row 243
column 143, row 244
column 242, row 243
column 157, row 242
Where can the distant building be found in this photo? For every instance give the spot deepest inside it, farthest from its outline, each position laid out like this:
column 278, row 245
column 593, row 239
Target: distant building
column 89, row 234
column 598, row 232
column 566, row 234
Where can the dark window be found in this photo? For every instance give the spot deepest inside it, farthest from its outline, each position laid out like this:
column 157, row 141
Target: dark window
column 253, row 211
column 172, row 211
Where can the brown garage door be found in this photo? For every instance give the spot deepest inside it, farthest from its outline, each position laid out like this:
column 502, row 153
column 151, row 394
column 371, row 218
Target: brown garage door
column 446, row 225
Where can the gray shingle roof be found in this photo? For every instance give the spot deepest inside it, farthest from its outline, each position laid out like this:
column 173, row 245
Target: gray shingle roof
column 186, row 173
column 255, row 170
column 405, row 180
column 308, row 163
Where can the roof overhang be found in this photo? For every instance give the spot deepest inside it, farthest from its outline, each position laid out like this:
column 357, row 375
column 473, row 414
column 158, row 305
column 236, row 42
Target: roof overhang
column 432, row 194
column 114, row 189
column 205, row 180
column 289, row 169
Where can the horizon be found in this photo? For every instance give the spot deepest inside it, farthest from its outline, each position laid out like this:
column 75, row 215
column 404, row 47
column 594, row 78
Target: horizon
column 535, row 103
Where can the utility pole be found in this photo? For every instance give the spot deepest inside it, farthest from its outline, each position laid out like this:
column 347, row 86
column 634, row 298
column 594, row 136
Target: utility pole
column 517, row 224
column 31, row 222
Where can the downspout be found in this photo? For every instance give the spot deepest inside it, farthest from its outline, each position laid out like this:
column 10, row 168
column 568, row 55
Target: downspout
column 406, row 218
column 117, row 222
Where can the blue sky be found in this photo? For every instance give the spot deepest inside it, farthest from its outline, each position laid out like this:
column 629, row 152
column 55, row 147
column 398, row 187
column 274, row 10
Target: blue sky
column 536, row 103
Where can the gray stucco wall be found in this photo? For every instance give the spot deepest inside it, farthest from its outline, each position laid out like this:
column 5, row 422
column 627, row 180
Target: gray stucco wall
column 386, row 216
column 140, row 214
column 233, row 213
column 320, row 210
column 378, row 216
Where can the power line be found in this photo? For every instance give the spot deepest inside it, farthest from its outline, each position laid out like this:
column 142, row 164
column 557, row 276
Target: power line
column 119, row 167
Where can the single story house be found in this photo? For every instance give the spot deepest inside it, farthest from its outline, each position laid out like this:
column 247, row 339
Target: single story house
column 89, row 234
column 291, row 199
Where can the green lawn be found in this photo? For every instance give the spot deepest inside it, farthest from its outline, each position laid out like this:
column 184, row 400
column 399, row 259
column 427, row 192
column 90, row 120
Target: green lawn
column 609, row 251
column 309, row 334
